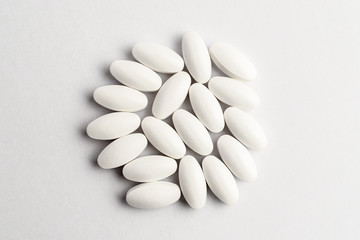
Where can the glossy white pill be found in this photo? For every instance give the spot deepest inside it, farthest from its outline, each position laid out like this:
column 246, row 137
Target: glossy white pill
column 135, row 75
column 233, row 92
column 206, row 107
column 196, row 57
column 113, row 125
column 220, row 180
column 149, row 168
column 192, row 132
column 153, row 195
column 157, row 57
column 231, row 61
column 237, row 158
column 245, row 128
column 163, row 137
column 120, row 98
column 122, row 151
column 171, row 95
column 192, row 182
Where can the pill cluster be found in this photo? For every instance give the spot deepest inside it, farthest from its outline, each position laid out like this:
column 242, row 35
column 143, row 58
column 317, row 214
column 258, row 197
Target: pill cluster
column 189, row 130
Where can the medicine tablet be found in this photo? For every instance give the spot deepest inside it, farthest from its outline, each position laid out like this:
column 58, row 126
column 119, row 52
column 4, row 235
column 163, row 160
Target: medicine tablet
column 135, row 75
column 153, row 195
column 245, row 128
column 157, row 57
column 149, row 168
column 122, row 151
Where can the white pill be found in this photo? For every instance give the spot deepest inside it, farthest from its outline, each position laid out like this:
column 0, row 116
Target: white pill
column 149, row 168
column 237, row 158
column 153, row 195
column 245, row 128
column 120, row 98
column 163, row 137
column 232, row 62
column 196, row 57
column 113, row 125
column 157, row 57
column 192, row 132
column 171, row 95
column 206, row 107
column 220, row 180
column 233, row 92
column 192, row 182
column 122, row 151
column 135, row 75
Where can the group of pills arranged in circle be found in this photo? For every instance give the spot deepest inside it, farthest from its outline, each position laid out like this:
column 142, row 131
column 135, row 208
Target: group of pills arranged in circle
column 190, row 130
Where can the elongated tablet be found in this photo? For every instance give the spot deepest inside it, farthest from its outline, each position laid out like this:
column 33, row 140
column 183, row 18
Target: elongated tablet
column 192, row 182
column 245, row 128
column 206, row 107
column 196, row 57
column 153, row 195
column 192, row 132
column 232, row 62
column 163, row 137
column 237, row 158
column 220, row 180
column 113, row 125
column 120, row 98
column 122, row 151
column 149, row 168
column 157, row 57
column 171, row 95
column 135, row 75
column 233, row 92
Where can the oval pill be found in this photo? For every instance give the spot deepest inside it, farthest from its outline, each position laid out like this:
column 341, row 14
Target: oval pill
column 157, row 57
column 233, row 92
column 153, row 195
column 192, row 132
column 113, row 125
column 196, row 57
column 149, row 168
column 120, row 98
column 206, row 107
column 171, row 95
column 220, row 180
column 122, row 151
column 231, row 61
column 135, row 75
column 237, row 158
column 163, row 137
column 192, row 182
column 245, row 128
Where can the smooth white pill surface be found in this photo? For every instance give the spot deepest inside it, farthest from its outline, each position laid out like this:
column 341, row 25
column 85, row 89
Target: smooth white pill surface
column 220, row 180
column 163, row 137
column 135, row 75
column 192, row 132
column 233, row 92
column 149, row 168
column 113, row 125
column 171, row 95
column 153, row 195
column 237, row 158
column 120, row 98
column 122, row 151
column 245, row 128
column 231, row 61
column 192, row 182
column 196, row 57
column 206, row 107
column 157, row 57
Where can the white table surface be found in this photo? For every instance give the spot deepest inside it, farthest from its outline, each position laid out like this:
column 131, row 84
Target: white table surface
column 53, row 54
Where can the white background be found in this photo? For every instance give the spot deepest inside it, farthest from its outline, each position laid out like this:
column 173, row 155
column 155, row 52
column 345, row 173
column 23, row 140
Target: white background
column 53, row 54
